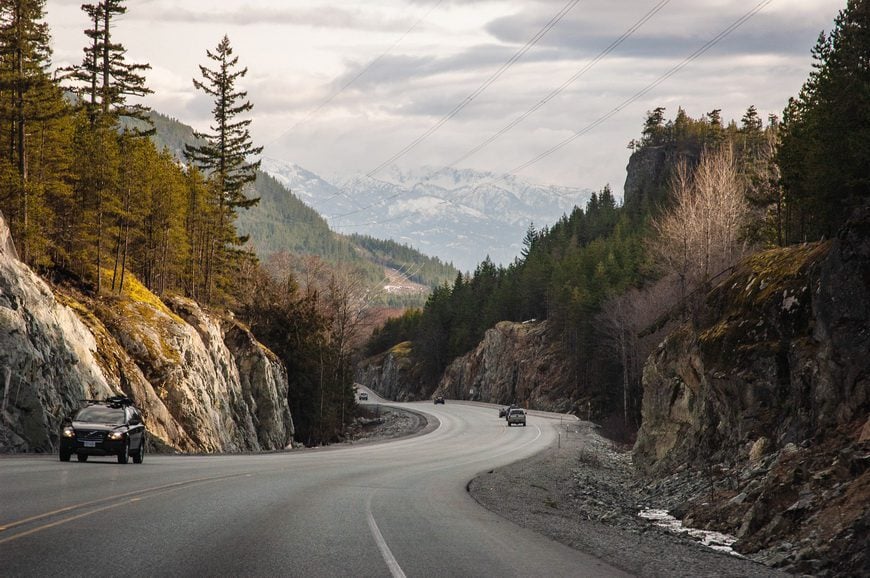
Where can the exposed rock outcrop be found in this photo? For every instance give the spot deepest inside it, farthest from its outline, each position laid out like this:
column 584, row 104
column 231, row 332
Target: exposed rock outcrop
column 515, row 363
column 203, row 384
column 47, row 358
column 769, row 394
column 263, row 380
column 392, row 375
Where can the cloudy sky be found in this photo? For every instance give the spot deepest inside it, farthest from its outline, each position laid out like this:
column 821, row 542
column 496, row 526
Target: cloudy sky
column 431, row 55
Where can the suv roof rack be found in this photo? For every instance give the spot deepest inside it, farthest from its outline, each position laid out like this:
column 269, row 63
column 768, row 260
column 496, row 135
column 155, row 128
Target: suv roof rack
column 115, row 400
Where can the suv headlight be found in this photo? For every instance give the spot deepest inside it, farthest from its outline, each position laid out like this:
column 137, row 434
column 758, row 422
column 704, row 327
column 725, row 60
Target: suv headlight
column 69, row 432
column 116, row 435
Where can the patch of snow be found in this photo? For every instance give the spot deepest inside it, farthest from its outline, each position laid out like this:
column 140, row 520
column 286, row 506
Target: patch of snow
column 714, row 540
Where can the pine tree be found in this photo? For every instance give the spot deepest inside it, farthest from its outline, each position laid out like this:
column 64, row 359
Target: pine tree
column 824, row 152
column 105, row 79
column 27, row 96
column 225, row 155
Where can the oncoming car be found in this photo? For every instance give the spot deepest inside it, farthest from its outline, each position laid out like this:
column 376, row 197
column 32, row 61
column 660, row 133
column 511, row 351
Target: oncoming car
column 363, row 396
column 111, row 427
column 439, row 399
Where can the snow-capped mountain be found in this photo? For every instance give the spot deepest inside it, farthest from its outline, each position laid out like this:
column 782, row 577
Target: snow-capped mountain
column 460, row 216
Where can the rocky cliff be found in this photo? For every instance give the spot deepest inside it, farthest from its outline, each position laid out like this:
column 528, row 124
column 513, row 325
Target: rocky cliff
column 769, row 394
column 514, row 363
column 203, row 383
column 392, row 375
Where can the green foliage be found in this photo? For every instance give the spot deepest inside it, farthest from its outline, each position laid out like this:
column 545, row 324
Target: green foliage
column 304, row 328
column 104, row 80
column 227, row 148
column 422, row 269
column 31, row 170
column 825, row 149
column 222, row 155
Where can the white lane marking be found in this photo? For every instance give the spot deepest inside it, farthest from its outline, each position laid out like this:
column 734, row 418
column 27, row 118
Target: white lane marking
column 392, row 564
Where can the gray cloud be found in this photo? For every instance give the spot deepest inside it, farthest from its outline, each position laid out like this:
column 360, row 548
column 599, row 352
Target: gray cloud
column 320, row 17
column 671, row 32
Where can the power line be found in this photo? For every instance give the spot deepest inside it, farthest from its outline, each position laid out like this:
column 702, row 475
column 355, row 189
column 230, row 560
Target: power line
column 495, row 76
column 613, row 45
column 641, row 93
column 610, row 48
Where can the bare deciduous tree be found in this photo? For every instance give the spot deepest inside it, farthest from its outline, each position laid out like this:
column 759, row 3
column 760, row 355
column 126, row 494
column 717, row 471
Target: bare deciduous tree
column 626, row 324
column 699, row 235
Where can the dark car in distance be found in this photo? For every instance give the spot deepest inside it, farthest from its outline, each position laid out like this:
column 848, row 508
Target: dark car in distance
column 439, row 399
column 111, row 427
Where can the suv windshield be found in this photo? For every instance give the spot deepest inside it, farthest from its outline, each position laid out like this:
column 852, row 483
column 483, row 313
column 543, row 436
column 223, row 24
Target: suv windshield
column 102, row 414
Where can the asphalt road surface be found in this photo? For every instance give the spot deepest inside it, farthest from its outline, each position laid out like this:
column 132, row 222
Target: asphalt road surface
column 397, row 508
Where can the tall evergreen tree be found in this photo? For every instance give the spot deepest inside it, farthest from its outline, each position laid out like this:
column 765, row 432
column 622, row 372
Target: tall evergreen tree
column 105, row 79
column 225, row 154
column 28, row 96
column 824, row 152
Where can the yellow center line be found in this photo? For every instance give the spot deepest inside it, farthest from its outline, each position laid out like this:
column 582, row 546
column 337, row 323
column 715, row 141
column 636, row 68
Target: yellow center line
column 108, row 499
column 165, row 489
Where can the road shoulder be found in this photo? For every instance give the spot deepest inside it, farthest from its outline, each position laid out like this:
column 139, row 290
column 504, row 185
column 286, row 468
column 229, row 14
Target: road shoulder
column 580, row 494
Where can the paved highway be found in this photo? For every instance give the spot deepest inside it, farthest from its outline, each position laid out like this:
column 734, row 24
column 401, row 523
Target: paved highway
column 388, row 509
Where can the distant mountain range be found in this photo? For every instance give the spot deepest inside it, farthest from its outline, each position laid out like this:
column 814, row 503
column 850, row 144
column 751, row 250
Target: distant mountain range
column 460, row 216
column 281, row 222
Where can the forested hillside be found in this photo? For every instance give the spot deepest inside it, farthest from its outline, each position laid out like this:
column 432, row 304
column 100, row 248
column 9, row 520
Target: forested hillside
column 280, row 224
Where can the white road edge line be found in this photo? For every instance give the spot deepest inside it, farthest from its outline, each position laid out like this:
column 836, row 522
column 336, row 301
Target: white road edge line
column 392, row 564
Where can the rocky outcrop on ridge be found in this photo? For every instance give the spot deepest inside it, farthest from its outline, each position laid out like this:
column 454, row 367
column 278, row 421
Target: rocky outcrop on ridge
column 203, row 383
column 766, row 399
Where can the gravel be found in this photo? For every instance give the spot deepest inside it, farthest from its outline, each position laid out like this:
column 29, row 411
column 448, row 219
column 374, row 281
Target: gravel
column 385, row 423
column 584, row 495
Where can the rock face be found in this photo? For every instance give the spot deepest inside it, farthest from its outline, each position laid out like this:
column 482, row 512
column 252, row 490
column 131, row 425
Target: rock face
column 393, row 376
column 515, row 362
column 645, row 177
column 203, row 384
column 263, row 381
column 46, row 357
column 772, row 387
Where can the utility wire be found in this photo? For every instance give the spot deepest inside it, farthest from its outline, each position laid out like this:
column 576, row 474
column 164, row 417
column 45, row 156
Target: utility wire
column 495, row 76
column 643, row 92
column 604, row 53
column 613, row 45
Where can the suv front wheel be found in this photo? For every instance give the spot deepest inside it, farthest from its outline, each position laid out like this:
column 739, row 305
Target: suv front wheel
column 124, row 456
column 140, row 453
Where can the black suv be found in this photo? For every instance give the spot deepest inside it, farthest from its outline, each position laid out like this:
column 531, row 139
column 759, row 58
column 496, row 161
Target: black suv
column 112, row 427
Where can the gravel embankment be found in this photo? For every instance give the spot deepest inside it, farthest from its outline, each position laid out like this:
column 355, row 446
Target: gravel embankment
column 386, row 423
column 583, row 495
